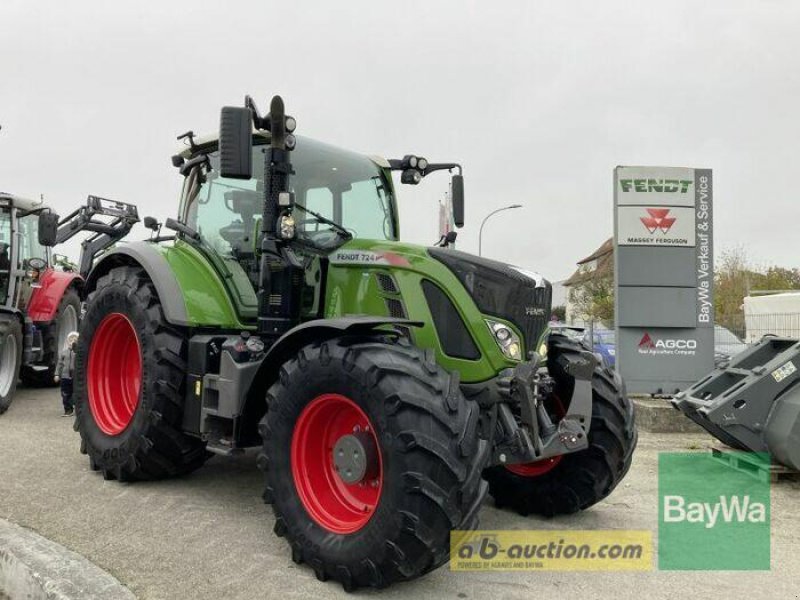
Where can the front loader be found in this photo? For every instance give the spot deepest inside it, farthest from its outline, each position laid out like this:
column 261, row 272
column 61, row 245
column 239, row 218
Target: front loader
column 388, row 385
column 752, row 402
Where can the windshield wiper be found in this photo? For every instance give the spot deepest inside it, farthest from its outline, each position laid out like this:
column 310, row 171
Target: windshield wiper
column 339, row 229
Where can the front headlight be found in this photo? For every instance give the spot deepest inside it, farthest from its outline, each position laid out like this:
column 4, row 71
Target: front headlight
column 506, row 339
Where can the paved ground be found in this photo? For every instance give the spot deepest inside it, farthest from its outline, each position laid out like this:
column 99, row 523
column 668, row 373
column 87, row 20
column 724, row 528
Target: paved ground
column 209, row 535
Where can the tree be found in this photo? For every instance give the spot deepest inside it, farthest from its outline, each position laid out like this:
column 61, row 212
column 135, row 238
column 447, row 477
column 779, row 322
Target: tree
column 593, row 297
column 735, row 278
column 560, row 313
column 732, row 282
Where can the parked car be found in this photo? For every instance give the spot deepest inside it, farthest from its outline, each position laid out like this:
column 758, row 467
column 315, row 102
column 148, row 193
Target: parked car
column 603, row 342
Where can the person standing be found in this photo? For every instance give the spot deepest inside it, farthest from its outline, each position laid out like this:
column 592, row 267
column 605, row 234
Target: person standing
column 64, row 371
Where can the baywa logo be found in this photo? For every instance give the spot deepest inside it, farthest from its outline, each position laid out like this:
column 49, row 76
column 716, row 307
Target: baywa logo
column 729, row 509
column 712, row 516
column 666, row 346
column 658, row 220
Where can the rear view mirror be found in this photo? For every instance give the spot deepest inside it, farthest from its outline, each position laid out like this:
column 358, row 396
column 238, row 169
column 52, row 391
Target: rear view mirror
column 48, row 229
column 236, row 142
column 457, row 198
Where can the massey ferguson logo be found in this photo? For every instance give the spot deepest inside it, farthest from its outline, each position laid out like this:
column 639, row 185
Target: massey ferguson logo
column 658, row 219
column 666, row 346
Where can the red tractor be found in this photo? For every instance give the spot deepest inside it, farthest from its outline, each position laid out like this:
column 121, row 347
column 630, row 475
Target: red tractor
column 40, row 299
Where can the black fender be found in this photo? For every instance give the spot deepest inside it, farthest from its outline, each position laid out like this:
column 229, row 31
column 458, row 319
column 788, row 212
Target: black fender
column 289, row 344
column 144, row 255
column 324, row 329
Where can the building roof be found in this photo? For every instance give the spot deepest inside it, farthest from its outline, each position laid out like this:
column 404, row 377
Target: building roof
column 604, row 257
column 605, row 248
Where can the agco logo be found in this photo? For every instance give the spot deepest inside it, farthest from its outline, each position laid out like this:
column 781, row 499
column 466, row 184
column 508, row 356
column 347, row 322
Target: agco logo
column 658, row 345
column 658, row 219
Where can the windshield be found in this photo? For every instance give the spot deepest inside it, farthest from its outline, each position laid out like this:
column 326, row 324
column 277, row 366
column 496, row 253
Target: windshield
column 347, row 188
column 29, row 240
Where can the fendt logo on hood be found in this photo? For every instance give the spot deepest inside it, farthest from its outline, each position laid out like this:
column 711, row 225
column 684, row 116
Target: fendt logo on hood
column 657, row 345
column 658, row 219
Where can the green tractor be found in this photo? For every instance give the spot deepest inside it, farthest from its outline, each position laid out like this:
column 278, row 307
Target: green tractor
column 389, row 386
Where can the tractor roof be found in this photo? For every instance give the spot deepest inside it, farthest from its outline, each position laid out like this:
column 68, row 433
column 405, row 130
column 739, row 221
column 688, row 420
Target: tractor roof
column 20, row 202
column 203, row 142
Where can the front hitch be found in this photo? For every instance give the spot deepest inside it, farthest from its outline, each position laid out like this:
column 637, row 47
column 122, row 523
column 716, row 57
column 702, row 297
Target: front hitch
column 534, row 436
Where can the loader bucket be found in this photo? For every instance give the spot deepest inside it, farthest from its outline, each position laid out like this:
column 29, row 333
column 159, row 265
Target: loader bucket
column 752, row 403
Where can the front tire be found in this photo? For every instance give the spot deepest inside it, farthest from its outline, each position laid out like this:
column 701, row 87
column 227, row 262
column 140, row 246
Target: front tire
column 10, row 359
column 129, row 383
column 423, row 477
column 574, row 482
column 54, row 340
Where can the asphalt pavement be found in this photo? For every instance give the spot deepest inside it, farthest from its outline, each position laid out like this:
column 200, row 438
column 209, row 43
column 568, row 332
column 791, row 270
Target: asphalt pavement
column 209, row 535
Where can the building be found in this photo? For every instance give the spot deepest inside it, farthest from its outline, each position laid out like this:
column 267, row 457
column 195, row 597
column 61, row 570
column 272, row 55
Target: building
column 598, row 265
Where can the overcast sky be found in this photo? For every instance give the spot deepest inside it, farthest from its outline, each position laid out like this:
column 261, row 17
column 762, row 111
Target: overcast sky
column 538, row 100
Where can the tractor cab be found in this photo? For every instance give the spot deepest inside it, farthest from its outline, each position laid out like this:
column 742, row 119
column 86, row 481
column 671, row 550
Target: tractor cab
column 340, row 195
column 23, row 260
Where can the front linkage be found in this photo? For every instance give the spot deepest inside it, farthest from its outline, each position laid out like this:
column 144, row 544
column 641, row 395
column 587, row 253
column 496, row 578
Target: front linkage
column 534, row 436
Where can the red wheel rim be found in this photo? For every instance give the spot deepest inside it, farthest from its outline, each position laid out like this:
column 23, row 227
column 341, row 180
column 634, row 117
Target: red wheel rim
column 114, row 376
column 333, row 504
column 535, row 469
column 540, row 467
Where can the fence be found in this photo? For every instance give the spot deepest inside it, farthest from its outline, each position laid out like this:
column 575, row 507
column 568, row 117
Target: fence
column 751, row 328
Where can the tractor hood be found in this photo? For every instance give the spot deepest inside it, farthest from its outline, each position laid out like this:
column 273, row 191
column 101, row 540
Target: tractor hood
column 454, row 291
column 516, row 295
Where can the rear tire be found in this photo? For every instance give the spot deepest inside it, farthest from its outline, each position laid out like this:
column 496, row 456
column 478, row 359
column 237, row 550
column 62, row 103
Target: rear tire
column 427, row 479
column 10, row 358
column 581, row 479
column 54, row 339
column 129, row 383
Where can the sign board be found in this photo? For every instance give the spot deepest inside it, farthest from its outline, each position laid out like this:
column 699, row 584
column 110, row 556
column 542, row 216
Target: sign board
column 655, row 226
column 663, row 275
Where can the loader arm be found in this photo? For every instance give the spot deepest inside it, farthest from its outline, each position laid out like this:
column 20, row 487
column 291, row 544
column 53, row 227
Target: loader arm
column 123, row 217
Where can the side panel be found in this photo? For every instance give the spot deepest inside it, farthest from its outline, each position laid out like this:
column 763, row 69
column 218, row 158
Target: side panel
column 191, row 292
column 45, row 299
column 209, row 302
column 353, row 288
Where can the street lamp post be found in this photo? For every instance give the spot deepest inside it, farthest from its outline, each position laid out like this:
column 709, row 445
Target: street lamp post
column 494, row 212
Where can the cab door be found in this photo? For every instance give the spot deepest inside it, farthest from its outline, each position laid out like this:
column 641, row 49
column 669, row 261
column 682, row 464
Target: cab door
column 6, row 257
column 28, row 247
